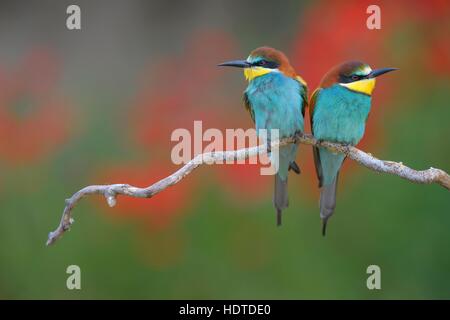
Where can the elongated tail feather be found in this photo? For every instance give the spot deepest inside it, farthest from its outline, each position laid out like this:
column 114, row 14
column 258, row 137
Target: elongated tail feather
column 328, row 202
column 280, row 196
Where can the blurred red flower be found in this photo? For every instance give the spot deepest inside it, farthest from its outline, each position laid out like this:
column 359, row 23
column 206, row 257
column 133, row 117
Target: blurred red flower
column 172, row 96
column 331, row 32
column 33, row 113
column 182, row 89
column 179, row 90
column 439, row 56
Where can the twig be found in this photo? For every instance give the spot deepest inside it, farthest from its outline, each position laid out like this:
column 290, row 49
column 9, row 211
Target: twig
column 110, row 192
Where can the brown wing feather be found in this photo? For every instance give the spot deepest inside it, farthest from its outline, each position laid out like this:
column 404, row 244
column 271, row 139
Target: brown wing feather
column 316, row 154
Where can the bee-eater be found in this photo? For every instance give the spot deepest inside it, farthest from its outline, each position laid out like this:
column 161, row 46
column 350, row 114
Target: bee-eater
column 339, row 108
column 276, row 99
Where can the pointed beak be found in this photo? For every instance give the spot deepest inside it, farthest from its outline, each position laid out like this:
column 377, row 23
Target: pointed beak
column 379, row 72
column 235, row 63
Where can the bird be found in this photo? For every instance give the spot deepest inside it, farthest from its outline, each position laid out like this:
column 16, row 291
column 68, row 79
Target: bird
column 276, row 98
column 339, row 109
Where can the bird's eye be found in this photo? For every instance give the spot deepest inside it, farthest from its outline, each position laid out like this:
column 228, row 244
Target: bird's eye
column 355, row 77
column 262, row 63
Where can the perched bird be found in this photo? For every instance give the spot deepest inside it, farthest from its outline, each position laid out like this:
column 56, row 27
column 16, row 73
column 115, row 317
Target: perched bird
column 276, row 99
column 339, row 109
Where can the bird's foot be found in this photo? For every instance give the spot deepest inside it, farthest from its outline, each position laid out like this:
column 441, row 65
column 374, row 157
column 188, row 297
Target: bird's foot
column 297, row 135
column 294, row 167
column 320, row 141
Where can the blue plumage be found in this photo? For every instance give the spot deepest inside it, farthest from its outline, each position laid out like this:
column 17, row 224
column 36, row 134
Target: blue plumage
column 276, row 99
column 276, row 102
column 339, row 111
column 339, row 115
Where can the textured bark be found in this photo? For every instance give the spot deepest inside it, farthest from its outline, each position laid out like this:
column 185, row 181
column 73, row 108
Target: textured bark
column 110, row 192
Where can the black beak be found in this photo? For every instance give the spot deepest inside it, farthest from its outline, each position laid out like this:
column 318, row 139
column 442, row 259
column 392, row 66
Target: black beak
column 236, row 63
column 379, row 72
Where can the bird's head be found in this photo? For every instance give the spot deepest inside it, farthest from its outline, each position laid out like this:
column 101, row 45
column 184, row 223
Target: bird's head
column 355, row 76
column 262, row 61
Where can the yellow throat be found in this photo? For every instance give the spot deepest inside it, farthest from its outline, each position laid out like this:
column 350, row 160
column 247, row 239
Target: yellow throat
column 365, row 86
column 254, row 72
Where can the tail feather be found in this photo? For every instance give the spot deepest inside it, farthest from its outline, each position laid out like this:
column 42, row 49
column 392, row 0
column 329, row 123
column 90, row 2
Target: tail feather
column 280, row 196
column 328, row 202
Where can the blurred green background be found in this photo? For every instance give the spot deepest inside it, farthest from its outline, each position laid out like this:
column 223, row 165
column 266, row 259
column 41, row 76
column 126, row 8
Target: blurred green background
column 98, row 106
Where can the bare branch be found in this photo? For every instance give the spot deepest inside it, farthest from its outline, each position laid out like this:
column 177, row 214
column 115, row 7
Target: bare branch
column 110, row 192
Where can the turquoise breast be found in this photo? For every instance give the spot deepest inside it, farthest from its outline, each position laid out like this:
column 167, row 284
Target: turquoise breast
column 276, row 102
column 340, row 115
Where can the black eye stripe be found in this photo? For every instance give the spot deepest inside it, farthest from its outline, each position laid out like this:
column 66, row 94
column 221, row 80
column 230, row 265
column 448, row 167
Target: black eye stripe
column 266, row 64
column 350, row 78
